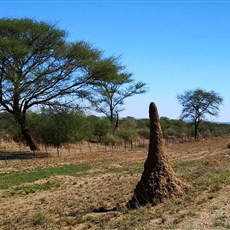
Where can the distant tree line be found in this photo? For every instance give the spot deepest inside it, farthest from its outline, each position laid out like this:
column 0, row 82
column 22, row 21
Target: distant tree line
column 57, row 127
column 179, row 129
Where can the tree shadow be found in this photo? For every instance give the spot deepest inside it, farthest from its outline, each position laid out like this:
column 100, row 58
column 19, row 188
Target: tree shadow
column 104, row 209
column 21, row 155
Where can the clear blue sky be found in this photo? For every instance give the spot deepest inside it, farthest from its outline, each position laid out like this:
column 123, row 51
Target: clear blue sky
column 171, row 45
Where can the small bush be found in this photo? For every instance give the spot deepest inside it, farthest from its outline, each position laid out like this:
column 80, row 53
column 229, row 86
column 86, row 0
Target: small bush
column 38, row 219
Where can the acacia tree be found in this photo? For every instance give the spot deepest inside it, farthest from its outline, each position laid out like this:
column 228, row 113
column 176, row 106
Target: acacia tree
column 108, row 94
column 197, row 104
column 39, row 67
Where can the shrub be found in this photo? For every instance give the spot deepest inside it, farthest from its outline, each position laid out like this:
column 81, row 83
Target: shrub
column 109, row 139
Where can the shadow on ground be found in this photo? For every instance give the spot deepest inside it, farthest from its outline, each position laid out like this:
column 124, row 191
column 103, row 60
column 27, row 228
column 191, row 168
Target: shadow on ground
column 21, row 155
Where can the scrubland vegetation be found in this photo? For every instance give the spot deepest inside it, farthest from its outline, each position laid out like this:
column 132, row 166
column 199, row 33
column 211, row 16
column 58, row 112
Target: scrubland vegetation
column 73, row 191
column 88, row 181
column 86, row 170
column 57, row 128
column 61, row 168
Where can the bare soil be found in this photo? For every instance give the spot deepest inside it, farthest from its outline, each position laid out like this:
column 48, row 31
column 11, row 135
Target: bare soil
column 110, row 183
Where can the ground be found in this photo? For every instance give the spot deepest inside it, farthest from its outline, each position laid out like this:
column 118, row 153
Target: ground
column 80, row 188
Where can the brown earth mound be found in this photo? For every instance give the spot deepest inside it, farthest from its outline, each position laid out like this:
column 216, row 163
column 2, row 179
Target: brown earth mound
column 158, row 181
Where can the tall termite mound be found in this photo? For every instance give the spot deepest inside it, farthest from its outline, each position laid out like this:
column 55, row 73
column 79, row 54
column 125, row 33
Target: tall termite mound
column 158, row 181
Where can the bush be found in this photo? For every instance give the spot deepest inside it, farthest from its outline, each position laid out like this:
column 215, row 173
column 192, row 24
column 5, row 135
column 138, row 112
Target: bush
column 56, row 127
column 101, row 128
column 109, row 139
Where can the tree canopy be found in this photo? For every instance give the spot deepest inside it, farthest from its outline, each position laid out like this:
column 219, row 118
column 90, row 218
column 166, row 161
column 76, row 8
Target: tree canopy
column 108, row 94
column 39, row 67
column 197, row 104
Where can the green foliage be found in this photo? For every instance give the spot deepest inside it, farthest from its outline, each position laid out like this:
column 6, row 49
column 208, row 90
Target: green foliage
column 108, row 94
column 128, row 123
column 89, row 126
column 208, row 129
column 101, row 128
column 124, row 134
column 9, row 129
column 56, row 127
column 109, row 139
column 39, row 67
column 143, row 128
column 197, row 104
column 143, row 133
column 128, row 131
column 174, row 128
column 75, row 126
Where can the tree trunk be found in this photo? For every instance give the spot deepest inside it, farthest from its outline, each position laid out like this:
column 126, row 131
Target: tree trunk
column 21, row 119
column 158, row 181
column 111, row 115
column 196, row 129
column 30, row 140
column 117, row 122
column 195, row 134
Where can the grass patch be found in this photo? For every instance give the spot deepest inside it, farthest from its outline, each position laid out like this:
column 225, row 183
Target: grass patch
column 38, row 219
column 130, row 219
column 221, row 222
column 207, row 174
column 18, row 178
column 182, row 165
column 134, row 168
column 213, row 180
column 179, row 219
column 33, row 188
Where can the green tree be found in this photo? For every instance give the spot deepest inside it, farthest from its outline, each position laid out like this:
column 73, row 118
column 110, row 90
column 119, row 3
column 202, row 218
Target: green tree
column 128, row 131
column 197, row 104
column 8, row 128
column 101, row 128
column 39, row 67
column 143, row 126
column 108, row 95
column 59, row 126
column 174, row 128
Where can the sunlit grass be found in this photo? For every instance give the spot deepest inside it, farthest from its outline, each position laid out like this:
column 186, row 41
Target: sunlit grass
column 107, row 182
column 18, row 178
column 18, row 190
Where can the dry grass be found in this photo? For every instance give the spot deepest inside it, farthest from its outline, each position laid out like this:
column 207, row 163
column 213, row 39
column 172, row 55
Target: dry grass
column 66, row 200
